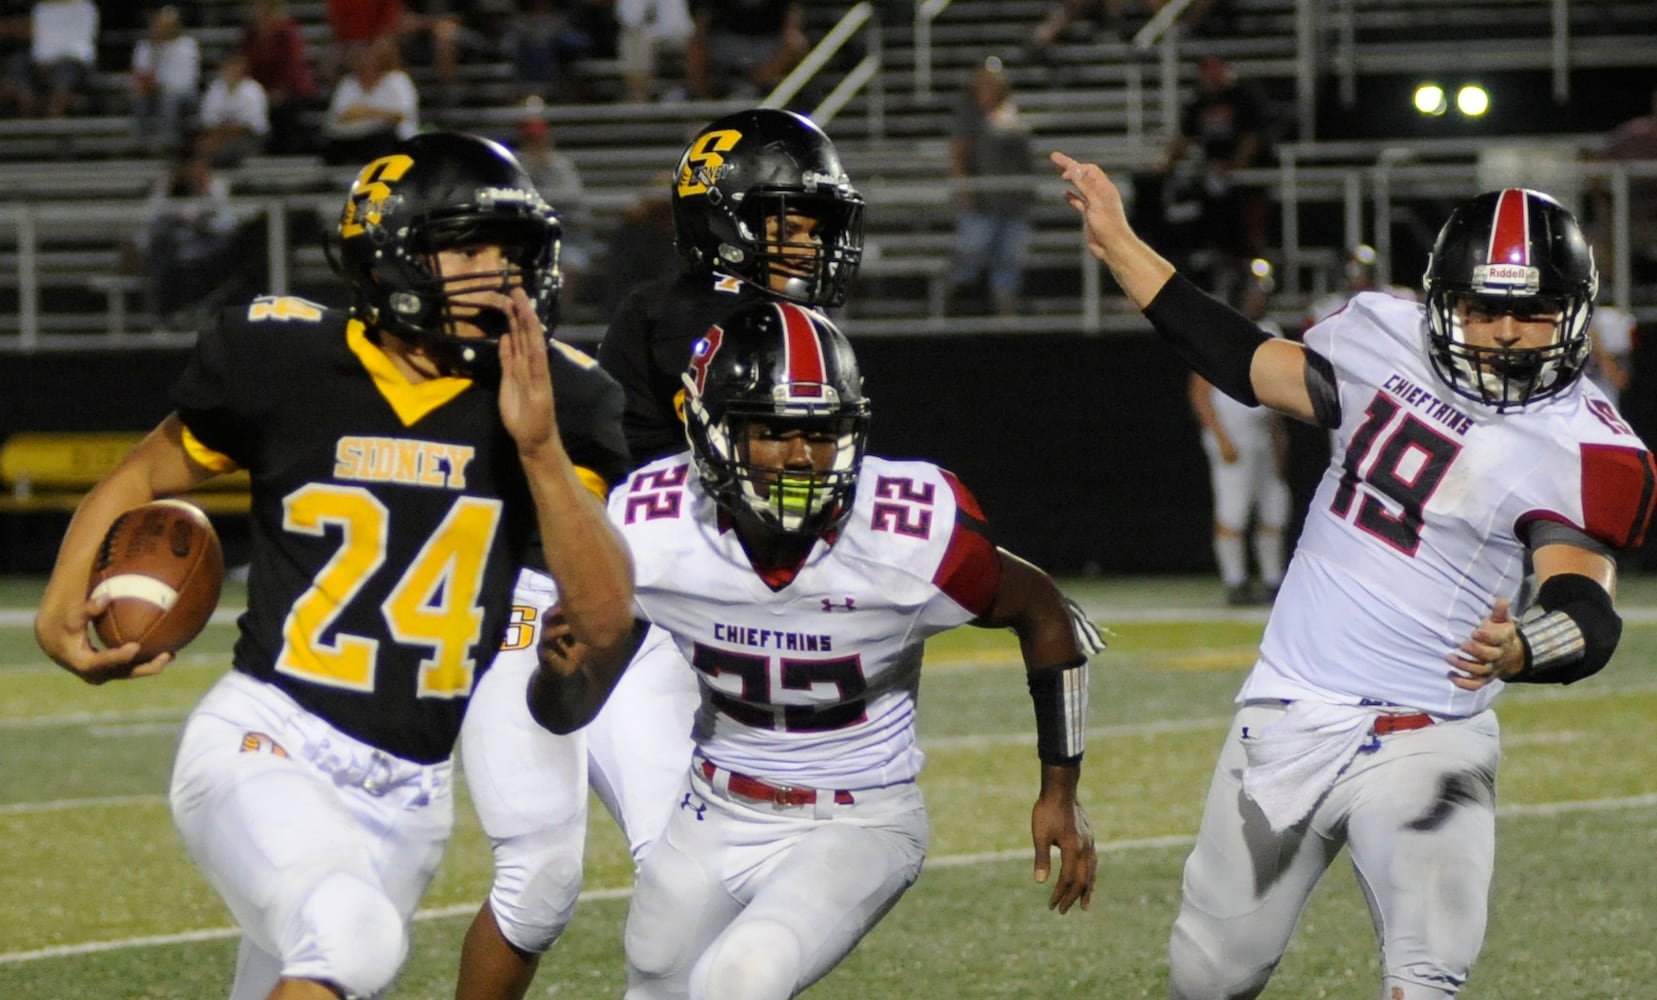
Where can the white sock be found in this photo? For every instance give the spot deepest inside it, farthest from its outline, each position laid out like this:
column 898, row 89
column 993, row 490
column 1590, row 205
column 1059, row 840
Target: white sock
column 1228, row 552
column 1268, row 552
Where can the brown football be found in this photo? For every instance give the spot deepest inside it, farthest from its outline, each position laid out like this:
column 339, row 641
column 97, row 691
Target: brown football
column 161, row 566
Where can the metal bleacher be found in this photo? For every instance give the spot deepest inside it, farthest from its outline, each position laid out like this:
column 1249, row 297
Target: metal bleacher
column 71, row 190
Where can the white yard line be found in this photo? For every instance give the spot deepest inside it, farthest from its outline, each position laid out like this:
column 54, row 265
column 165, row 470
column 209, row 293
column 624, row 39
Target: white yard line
column 1547, row 809
column 62, row 805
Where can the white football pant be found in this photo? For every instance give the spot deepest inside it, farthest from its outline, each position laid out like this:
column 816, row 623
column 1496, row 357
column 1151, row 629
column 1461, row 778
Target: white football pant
column 530, row 786
column 1417, row 812
column 746, row 900
column 320, row 845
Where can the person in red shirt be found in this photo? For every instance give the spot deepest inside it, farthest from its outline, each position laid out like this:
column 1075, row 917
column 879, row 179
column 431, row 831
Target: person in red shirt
column 277, row 57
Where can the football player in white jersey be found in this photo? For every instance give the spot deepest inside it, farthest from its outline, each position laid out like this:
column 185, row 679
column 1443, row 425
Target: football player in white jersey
column 800, row 579
column 762, row 208
column 1247, row 449
column 1462, row 539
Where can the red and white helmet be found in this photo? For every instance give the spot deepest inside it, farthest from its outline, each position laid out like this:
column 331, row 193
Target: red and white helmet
column 1519, row 251
column 776, row 363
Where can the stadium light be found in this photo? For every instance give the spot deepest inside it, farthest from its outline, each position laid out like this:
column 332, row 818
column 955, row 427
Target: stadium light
column 1431, row 100
column 1472, row 100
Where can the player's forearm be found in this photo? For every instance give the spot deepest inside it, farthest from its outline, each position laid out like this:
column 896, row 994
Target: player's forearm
column 1137, row 267
column 157, row 467
column 583, row 553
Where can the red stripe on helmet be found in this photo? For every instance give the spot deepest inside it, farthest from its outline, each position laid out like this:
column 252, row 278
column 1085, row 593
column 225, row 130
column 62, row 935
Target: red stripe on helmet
column 802, row 351
column 1510, row 233
column 702, row 352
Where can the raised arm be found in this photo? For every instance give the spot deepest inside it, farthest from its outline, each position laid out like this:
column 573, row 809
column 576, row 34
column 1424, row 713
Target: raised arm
column 1218, row 342
column 583, row 552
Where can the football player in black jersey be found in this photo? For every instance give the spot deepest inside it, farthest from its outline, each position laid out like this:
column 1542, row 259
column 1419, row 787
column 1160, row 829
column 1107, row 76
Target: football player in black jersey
column 762, row 208
column 404, row 456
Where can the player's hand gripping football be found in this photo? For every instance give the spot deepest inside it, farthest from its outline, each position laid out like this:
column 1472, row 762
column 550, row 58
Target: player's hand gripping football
column 63, row 633
column 1493, row 652
column 1058, row 820
column 526, row 402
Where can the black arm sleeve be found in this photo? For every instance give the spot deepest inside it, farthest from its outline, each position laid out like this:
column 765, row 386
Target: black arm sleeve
column 1217, row 341
column 1575, row 634
column 1320, row 386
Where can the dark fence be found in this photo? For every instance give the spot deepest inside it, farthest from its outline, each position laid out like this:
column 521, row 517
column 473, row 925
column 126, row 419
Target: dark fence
column 1080, row 449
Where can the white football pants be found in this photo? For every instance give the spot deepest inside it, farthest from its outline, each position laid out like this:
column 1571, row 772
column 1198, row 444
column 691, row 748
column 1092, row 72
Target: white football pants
column 320, row 845
column 1416, row 810
column 530, row 786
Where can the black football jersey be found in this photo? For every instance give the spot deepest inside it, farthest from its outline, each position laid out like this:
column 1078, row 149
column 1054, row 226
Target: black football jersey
column 647, row 348
column 388, row 519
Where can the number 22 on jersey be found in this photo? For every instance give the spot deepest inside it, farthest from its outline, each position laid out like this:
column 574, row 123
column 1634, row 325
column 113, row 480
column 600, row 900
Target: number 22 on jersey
column 434, row 604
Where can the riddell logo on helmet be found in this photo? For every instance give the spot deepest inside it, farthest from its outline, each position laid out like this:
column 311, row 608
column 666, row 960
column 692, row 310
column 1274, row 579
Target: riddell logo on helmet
column 1516, row 277
column 508, row 196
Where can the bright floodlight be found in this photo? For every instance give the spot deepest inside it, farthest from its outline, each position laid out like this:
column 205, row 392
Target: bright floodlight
column 1472, row 100
column 1430, row 99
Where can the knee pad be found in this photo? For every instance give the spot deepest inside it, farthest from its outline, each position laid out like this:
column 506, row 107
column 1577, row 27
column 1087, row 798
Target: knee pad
column 537, row 883
column 754, row 960
column 348, row 933
column 1197, row 970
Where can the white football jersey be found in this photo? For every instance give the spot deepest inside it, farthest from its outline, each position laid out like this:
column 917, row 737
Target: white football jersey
column 813, row 683
column 1421, row 518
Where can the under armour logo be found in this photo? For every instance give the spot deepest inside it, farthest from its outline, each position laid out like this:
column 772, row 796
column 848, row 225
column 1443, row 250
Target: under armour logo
column 847, row 605
column 699, row 808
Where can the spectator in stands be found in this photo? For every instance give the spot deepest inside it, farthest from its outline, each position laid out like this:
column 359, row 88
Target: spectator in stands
column 743, row 48
column 991, row 142
column 558, row 178
column 235, row 116
column 354, row 23
column 63, row 48
column 1635, row 139
column 1121, row 18
column 1224, row 129
column 646, row 27
column 374, row 106
column 186, row 239
column 166, row 79
column 546, row 39
column 442, row 33
column 427, row 32
column 278, row 59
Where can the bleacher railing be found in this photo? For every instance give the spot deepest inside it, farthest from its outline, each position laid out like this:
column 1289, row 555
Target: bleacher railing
column 1369, row 187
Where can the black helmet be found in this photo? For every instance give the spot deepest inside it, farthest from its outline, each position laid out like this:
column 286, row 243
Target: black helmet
column 435, row 191
column 762, row 164
column 1518, row 251
column 776, row 363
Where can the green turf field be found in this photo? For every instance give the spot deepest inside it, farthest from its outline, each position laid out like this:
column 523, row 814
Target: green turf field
column 98, row 900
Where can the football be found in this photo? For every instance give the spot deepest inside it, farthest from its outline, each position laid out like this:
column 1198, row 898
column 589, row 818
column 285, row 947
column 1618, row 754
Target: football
column 161, row 567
